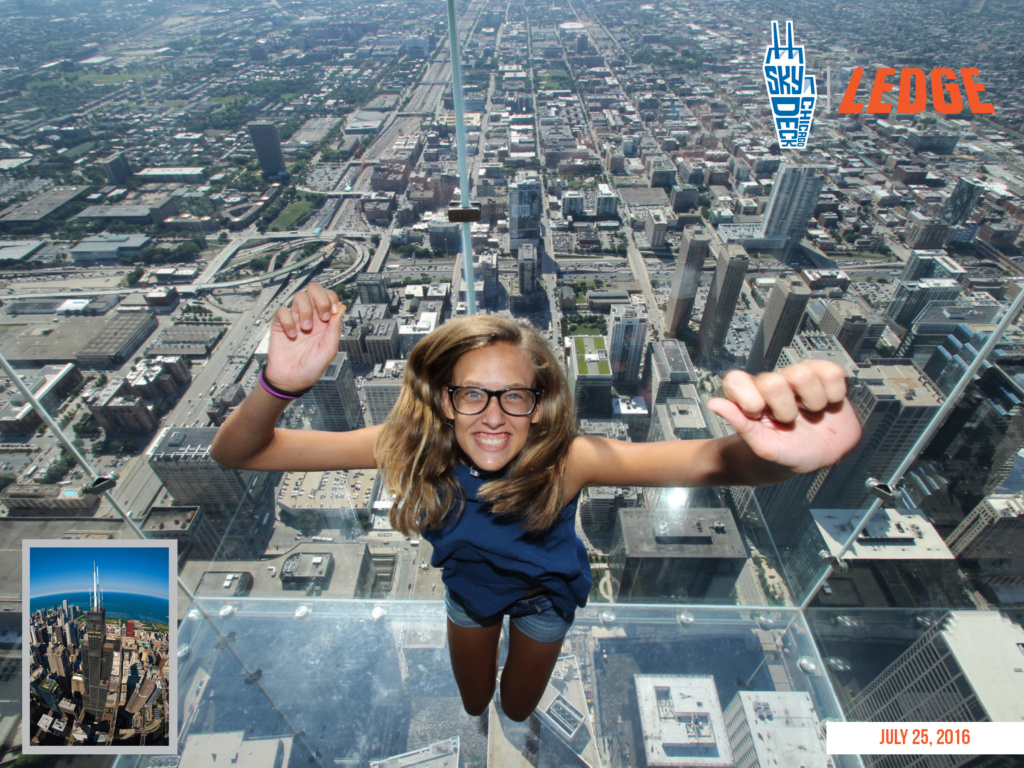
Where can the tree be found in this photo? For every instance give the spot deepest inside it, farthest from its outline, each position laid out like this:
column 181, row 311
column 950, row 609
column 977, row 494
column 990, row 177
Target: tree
column 308, row 523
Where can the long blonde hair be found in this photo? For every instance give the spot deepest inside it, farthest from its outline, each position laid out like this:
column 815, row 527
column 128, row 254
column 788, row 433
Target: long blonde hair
column 417, row 452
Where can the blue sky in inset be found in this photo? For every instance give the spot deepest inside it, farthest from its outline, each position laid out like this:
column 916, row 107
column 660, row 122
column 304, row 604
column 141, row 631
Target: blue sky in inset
column 136, row 570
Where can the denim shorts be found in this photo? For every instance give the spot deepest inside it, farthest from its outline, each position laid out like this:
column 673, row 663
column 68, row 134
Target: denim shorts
column 536, row 617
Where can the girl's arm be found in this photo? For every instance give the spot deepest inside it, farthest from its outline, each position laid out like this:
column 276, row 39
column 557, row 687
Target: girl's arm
column 303, row 342
column 788, row 422
column 248, row 439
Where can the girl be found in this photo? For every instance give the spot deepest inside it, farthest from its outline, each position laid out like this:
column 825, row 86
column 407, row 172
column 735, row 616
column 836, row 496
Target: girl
column 482, row 457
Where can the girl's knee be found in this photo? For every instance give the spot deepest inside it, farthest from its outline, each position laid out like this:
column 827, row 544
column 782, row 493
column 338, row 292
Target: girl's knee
column 475, row 710
column 519, row 714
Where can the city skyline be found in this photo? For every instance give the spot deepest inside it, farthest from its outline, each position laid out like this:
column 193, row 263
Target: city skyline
column 56, row 571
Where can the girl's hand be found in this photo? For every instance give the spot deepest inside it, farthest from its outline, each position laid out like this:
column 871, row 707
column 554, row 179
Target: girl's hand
column 797, row 417
column 304, row 338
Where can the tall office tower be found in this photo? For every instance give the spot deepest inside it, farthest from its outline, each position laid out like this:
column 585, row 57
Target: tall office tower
column 678, row 716
column 381, row 390
column 590, row 377
column 627, row 335
column 924, row 232
column 656, row 229
column 932, row 328
column 950, row 360
column 57, row 658
column 607, row 202
column 718, row 310
column 894, row 402
column 680, row 418
column 95, row 632
column 782, row 314
column 946, row 677
column 71, row 634
column 572, row 204
column 910, row 298
column 524, row 210
column 763, row 725
column 976, row 446
column 529, row 269
column 994, row 530
column 689, row 263
column 668, row 367
column 117, row 168
column 687, row 551
column 267, row 144
column 372, row 289
column 180, row 457
column 336, row 397
column 815, row 345
column 856, row 327
column 682, row 198
column 487, row 273
column 961, row 203
column 791, row 204
column 925, row 263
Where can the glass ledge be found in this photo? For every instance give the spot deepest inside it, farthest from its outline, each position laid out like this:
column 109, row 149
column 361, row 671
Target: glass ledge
column 352, row 682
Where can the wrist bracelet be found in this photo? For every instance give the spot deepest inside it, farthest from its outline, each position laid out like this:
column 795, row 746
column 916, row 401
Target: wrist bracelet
column 284, row 394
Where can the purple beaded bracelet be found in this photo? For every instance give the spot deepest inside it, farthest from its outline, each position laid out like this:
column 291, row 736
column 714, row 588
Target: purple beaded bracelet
column 277, row 391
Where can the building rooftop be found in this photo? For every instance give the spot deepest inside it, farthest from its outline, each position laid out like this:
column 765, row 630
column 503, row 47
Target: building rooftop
column 682, row 722
column 995, row 675
column 890, row 535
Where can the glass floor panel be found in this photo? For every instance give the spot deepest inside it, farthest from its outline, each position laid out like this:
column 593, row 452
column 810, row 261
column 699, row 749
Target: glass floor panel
column 348, row 683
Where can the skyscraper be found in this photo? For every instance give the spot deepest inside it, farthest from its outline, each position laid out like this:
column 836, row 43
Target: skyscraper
column 180, row 457
column 95, row 631
column 894, row 402
column 372, row 289
column 961, row 203
column 910, row 298
column 718, row 310
column 524, row 210
column 791, row 204
column 945, row 676
column 689, row 263
column 116, row 167
column 924, row 263
column 668, row 367
column 786, row 303
column 267, row 143
column 856, row 327
column 627, row 335
column 529, row 270
column 336, row 397
column 977, row 445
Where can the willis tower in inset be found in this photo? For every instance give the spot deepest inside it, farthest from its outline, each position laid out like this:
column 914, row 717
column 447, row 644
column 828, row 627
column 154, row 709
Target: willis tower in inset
column 95, row 632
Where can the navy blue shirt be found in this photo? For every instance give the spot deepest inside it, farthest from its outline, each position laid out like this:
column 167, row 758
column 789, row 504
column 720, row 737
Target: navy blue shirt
column 490, row 562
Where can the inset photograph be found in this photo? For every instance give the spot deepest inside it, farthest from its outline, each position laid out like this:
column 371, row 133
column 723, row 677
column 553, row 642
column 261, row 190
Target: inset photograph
column 100, row 670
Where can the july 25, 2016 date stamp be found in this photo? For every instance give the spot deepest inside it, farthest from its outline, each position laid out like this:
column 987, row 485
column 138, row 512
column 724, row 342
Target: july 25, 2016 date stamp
column 924, row 738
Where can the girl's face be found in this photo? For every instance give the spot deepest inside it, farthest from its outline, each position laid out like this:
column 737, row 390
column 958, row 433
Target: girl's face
column 492, row 438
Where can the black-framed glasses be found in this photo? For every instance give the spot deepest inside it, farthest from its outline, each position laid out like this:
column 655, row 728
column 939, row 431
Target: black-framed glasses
column 516, row 401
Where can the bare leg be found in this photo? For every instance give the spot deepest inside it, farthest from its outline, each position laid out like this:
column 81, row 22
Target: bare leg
column 474, row 655
column 527, row 671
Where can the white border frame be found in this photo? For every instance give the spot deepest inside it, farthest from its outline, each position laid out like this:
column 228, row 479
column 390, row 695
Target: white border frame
column 170, row 546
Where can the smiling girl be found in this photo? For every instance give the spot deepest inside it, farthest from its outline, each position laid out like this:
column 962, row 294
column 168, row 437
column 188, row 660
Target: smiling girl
column 483, row 459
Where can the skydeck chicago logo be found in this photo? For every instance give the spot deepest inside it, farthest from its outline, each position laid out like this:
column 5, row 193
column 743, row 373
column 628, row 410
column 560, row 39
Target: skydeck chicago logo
column 791, row 90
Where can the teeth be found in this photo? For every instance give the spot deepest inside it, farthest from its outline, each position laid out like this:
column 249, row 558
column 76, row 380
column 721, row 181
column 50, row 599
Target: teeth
column 492, row 441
